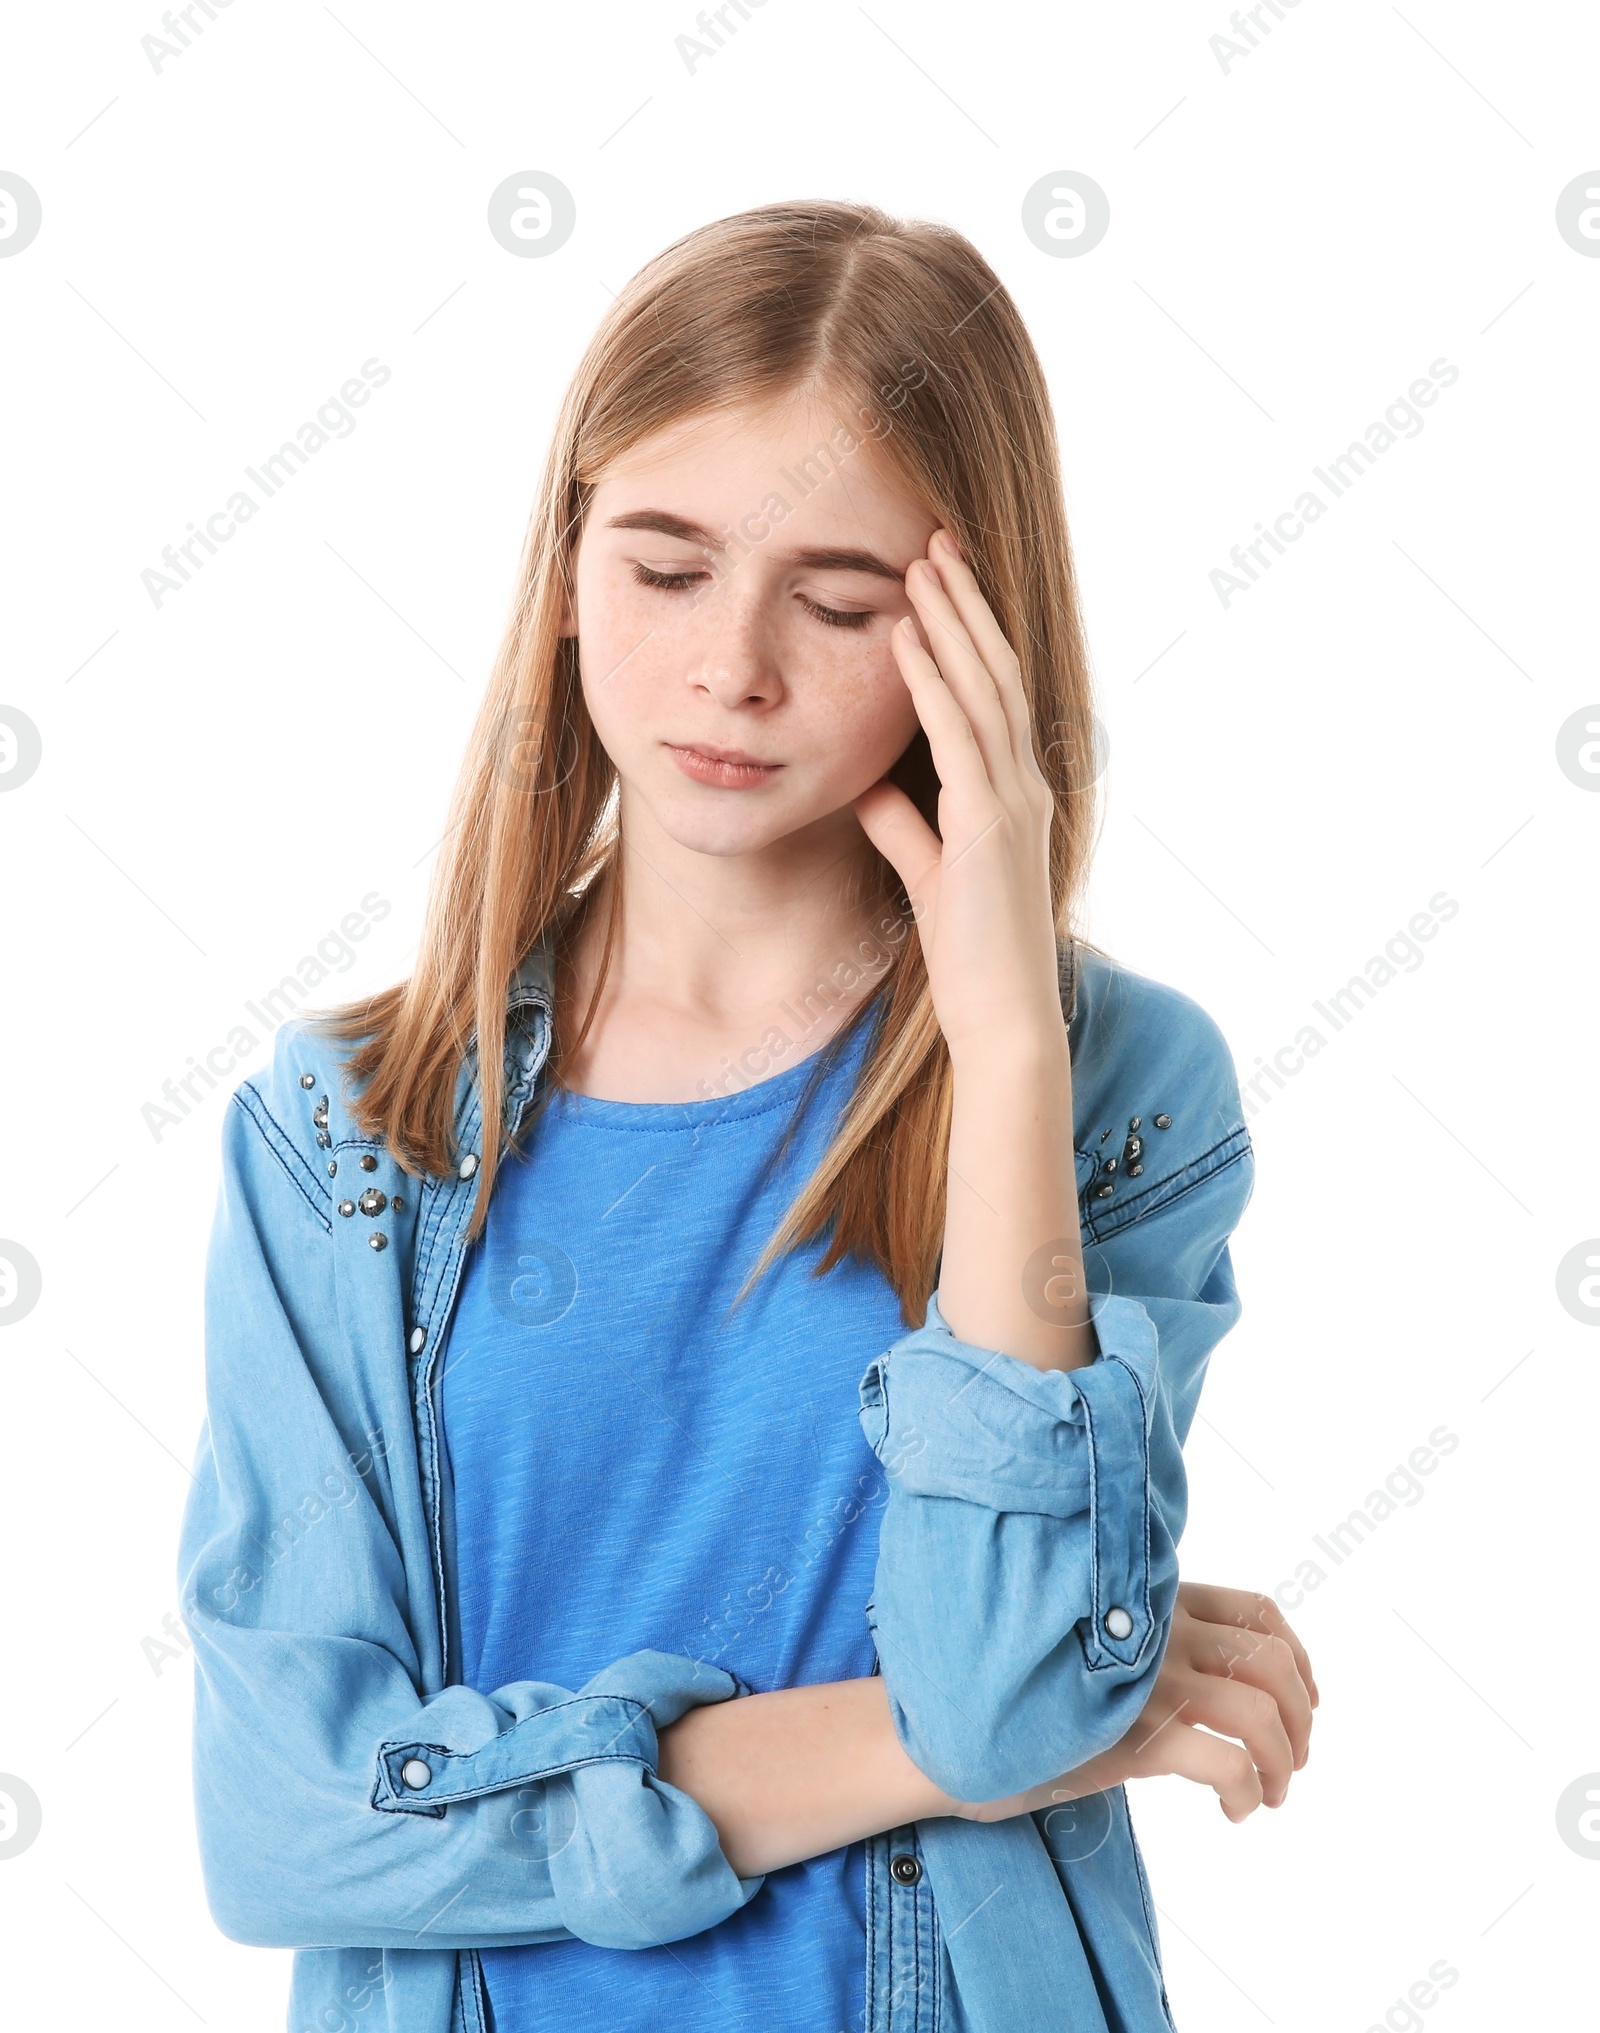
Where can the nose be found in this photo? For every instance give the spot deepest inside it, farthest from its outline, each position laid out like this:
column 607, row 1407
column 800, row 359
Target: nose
column 731, row 655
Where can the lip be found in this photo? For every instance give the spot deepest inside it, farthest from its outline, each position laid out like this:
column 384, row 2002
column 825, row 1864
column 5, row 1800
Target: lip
column 728, row 769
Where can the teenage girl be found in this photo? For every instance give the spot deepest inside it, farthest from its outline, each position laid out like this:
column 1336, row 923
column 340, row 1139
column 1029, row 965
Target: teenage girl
column 740, row 1571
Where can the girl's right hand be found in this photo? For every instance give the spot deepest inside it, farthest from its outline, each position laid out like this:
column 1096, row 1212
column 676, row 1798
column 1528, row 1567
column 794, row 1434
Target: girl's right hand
column 1231, row 1710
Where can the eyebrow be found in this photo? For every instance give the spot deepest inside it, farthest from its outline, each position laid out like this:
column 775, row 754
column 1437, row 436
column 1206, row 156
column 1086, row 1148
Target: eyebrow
column 819, row 558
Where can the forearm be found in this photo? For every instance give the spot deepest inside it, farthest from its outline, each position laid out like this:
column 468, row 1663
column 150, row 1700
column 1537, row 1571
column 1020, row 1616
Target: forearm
column 1012, row 1271
column 797, row 1772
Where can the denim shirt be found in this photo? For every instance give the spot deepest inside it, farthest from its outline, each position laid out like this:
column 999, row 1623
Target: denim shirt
column 358, row 1804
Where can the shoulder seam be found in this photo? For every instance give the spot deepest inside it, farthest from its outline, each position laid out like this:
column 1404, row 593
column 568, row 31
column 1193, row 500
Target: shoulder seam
column 282, row 1147
column 1230, row 1150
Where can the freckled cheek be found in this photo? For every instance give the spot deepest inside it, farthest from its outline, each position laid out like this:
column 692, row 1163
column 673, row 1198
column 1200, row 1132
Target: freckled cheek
column 867, row 699
column 625, row 693
column 654, row 639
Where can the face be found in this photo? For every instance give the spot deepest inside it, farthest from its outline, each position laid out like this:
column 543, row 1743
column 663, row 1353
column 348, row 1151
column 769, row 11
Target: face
column 734, row 630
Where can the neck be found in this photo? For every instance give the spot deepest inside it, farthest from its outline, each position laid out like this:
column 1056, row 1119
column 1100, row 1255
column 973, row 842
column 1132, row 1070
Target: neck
column 709, row 948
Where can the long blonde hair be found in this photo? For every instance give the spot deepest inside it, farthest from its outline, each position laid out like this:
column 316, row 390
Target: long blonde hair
column 898, row 320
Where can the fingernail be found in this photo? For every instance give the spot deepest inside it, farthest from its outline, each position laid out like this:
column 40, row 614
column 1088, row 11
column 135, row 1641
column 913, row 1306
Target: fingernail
column 950, row 542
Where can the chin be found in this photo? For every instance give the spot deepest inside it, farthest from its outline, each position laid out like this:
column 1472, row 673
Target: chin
column 723, row 835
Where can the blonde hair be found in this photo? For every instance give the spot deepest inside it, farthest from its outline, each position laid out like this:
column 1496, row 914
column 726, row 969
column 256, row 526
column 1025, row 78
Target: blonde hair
column 818, row 297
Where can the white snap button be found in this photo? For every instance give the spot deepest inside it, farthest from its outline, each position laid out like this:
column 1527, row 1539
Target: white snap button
column 417, row 1339
column 416, row 1774
column 468, row 1165
column 1118, row 1623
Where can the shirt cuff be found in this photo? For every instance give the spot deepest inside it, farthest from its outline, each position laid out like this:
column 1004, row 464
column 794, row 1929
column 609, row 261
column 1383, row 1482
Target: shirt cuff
column 950, row 1419
column 633, row 1861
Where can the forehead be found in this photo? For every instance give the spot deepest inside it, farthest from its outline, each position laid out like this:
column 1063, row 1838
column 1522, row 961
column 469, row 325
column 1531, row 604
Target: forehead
column 815, row 452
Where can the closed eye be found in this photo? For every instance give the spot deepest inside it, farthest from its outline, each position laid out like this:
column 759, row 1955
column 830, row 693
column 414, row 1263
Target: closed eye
column 680, row 582
column 835, row 617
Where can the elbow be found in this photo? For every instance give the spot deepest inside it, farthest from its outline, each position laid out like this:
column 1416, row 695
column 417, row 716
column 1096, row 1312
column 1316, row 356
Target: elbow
column 644, row 1864
column 243, row 1915
column 263, row 1898
column 259, row 1914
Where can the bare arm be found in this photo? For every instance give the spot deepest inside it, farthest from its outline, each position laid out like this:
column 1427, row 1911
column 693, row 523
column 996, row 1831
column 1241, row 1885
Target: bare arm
column 799, row 1772
column 1011, row 1277
column 805, row 1770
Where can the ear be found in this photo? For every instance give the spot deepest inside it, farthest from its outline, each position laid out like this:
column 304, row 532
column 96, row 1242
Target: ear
column 569, row 625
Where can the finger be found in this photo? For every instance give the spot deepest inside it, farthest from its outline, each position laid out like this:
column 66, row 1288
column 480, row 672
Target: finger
column 1280, row 1627
column 1266, row 1663
column 1252, row 1610
column 901, row 835
column 1225, row 1767
column 1234, row 1709
column 988, row 639
column 952, row 738
column 964, row 670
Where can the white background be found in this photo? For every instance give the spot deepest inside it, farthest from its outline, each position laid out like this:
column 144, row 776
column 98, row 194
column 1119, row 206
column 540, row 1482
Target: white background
column 1293, row 241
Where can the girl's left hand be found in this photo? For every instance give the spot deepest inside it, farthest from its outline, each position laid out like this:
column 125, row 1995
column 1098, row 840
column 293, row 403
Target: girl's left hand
column 981, row 893
column 1230, row 1709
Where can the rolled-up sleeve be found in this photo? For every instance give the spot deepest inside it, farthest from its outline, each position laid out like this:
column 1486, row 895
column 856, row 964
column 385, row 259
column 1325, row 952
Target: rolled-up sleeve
column 1027, row 1566
column 338, row 1803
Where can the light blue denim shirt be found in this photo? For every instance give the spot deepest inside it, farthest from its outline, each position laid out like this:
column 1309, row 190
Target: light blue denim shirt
column 359, row 1805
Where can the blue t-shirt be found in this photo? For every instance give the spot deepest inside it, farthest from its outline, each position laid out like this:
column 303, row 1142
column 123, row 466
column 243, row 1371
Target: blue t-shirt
column 632, row 1470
